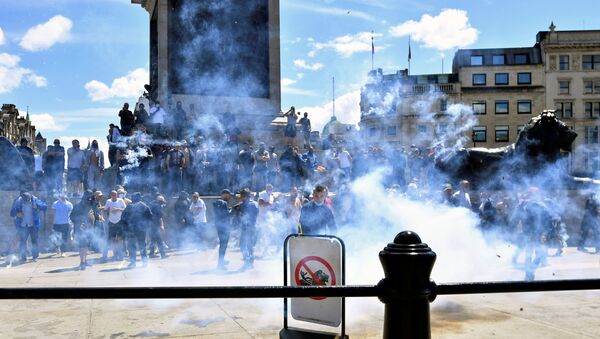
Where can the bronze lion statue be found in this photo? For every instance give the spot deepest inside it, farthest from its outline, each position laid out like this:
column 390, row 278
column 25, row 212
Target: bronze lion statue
column 539, row 144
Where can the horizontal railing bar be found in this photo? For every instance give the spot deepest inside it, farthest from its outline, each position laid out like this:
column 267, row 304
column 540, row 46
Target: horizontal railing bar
column 227, row 292
column 517, row 286
column 188, row 292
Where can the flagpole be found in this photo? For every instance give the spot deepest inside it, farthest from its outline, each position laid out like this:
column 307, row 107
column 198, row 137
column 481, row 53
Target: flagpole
column 333, row 93
column 372, row 52
column 409, row 55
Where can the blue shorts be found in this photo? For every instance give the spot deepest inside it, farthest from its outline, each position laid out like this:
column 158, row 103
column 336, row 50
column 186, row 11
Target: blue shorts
column 74, row 175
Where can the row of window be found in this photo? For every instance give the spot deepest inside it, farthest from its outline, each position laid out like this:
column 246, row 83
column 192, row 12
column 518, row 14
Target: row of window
column 501, row 133
column 501, row 107
column 564, row 109
column 588, row 61
column 500, row 59
column 523, row 78
column 589, row 86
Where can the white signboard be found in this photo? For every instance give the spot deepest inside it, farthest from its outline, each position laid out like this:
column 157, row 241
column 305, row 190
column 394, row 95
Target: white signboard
column 316, row 262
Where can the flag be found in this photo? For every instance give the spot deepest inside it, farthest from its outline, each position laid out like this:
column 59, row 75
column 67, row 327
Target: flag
column 372, row 44
column 409, row 54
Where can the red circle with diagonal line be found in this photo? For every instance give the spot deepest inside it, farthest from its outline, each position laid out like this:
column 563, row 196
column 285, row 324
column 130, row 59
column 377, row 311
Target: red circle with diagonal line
column 302, row 265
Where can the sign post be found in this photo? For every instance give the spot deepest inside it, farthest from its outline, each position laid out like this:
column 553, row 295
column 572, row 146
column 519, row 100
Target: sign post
column 317, row 260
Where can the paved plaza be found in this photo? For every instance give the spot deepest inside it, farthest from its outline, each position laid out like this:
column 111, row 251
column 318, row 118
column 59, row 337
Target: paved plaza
column 531, row 315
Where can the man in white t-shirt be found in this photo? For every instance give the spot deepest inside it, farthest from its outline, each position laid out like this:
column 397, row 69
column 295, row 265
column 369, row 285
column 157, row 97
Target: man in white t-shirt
column 115, row 207
column 345, row 162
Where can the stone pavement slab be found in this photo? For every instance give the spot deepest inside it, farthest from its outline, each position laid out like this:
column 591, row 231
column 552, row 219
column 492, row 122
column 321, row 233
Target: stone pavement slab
column 574, row 314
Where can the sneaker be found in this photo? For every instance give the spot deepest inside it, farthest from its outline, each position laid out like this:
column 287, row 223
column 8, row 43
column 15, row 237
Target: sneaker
column 131, row 265
column 82, row 267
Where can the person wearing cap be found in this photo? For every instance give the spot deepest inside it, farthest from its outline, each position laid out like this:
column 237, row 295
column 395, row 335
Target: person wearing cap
column 222, row 221
column 247, row 213
column 157, row 204
column 26, row 212
column 54, row 166
column 447, row 197
column 463, row 199
column 136, row 218
column 62, row 216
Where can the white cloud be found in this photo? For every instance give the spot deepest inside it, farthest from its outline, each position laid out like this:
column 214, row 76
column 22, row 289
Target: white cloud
column 46, row 122
column 287, row 82
column 347, row 110
column 129, row 86
column 12, row 75
column 304, row 65
column 44, row 36
column 347, row 45
column 37, row 80
column 300, row 75
column 2, row 38
column 450, row 29
column 337, row 11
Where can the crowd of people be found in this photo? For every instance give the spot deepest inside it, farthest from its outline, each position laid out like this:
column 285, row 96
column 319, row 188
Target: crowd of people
column 266, row 191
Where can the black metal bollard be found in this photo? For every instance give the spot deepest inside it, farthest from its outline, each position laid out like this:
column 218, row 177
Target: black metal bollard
column 407, row 264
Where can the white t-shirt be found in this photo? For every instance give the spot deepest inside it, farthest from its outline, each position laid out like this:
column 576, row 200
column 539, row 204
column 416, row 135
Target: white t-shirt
column 158, row 115
column 38, row 162
column 198, row 210
column 114, row 216
column 264, row 210
column 344, row 157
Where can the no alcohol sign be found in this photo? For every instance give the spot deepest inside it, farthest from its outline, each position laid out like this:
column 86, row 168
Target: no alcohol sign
column 316, row 261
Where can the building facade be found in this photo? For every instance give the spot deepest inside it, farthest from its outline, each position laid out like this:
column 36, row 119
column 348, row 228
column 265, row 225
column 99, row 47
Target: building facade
column 13, row 126
column 504, row 88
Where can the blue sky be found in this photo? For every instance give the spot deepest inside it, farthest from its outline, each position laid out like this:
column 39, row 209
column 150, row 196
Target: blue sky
column 89, row 56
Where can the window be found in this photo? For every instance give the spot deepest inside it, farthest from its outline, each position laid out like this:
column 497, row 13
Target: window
column 501, row 78
column 501, row 133
column 479, row 134
column 563, row 62
column 478, row 79
column 564, row 109
column 520, row 59
column 443, row 105
column 563, row 86
column 498, row 59
column 502, row 107
column 524, row 106
column 479, row 107
column 422, row 129
column 442, row 129
column 391, row 131
column 523, row 78
column 591, row 62
column 372, row 131
column 476, row 60
column 591, row 161
column 591, row 86
column 592, row 109
column 591, row 134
